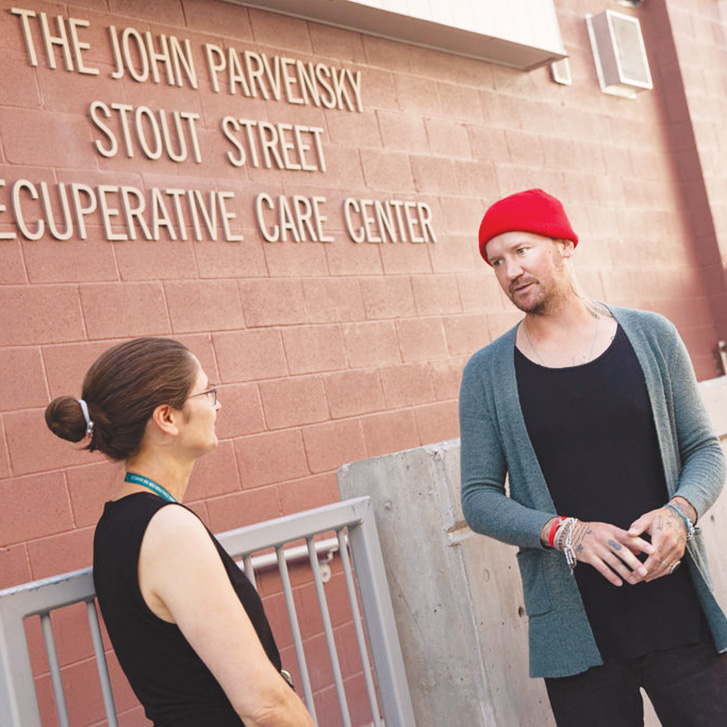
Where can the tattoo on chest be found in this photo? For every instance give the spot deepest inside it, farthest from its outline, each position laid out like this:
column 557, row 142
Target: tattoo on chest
column 597, row 309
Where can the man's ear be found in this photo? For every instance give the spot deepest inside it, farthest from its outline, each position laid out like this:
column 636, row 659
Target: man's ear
column 567, row 247
column 164, row 418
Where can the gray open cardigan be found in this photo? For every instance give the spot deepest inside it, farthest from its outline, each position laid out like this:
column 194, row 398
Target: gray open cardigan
column 495, row 444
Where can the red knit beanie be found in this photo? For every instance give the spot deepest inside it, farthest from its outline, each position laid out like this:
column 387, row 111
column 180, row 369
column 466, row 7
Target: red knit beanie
column 530, row 211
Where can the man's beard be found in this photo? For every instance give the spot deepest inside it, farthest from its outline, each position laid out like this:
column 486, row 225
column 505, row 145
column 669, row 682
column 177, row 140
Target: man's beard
column 535, row 307
column 552, row 291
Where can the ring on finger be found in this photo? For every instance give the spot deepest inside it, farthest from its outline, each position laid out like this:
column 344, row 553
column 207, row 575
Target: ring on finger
column 674, row 566
column 665, row 564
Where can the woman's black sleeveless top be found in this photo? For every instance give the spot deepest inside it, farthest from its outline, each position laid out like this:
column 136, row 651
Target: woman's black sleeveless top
column 172, row 683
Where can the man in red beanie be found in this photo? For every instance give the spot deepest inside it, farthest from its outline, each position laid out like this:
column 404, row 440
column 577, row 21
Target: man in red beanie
column 593, row 413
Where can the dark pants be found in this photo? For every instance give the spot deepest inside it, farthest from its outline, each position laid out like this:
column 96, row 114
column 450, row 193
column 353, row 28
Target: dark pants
column 686, row 685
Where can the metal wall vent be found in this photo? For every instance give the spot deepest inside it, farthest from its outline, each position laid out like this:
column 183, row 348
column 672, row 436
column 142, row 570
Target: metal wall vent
column 619, row 53
column 560, row 72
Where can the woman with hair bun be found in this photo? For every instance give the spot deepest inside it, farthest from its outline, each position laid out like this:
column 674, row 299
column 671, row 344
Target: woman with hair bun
column 186, row 624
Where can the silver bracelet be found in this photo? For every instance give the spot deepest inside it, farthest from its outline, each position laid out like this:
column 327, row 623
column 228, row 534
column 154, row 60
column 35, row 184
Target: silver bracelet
column 570, row 554
column 564, row 541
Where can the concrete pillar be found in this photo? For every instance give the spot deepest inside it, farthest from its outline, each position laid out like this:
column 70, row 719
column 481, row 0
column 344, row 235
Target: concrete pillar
column 457, row 596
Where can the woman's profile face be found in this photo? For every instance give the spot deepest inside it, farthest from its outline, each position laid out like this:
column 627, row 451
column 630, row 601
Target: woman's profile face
column 200, row 409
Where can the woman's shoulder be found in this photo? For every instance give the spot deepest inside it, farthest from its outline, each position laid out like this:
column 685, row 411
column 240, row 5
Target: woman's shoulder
column 176, row 523
column 145, row 516
column 126, row 519
column 137, row 504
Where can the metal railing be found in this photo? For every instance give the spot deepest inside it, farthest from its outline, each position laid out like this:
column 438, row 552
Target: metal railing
column 352, row 521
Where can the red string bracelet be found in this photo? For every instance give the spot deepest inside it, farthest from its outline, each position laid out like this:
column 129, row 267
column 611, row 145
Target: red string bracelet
column 554, row 529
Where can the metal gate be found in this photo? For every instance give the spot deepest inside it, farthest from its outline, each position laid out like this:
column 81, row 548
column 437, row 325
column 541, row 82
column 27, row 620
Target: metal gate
column 351, row 529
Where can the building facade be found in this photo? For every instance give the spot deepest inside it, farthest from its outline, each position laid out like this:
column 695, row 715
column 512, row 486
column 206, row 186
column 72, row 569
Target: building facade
column 295, row 194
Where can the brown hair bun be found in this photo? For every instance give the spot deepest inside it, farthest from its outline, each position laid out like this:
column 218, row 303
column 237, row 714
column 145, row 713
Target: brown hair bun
column 121, row 389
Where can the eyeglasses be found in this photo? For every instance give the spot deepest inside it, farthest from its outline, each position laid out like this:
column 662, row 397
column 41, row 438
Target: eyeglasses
column 210, row 393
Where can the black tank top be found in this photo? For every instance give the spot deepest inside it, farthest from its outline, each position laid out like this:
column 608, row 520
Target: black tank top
column 172, row 683
column 593, row 432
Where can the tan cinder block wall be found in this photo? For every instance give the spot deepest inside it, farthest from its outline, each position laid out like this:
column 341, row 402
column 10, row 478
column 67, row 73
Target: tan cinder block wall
column 457, row 595
column 325, row 352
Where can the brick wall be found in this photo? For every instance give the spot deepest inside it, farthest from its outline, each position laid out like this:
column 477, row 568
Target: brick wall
column 696, row 81
column 326, row 352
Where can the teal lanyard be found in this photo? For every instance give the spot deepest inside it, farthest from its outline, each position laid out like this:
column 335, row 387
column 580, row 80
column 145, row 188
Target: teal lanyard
column 150, row 485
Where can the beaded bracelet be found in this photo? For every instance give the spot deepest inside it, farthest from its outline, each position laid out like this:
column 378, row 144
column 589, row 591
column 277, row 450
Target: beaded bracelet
column 688, row 524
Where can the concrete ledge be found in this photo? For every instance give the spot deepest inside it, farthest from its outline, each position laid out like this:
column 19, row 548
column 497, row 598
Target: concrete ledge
column 523, row 34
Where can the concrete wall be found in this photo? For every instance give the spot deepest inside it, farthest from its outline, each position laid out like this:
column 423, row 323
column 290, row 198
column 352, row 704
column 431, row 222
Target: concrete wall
column 457, row 595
